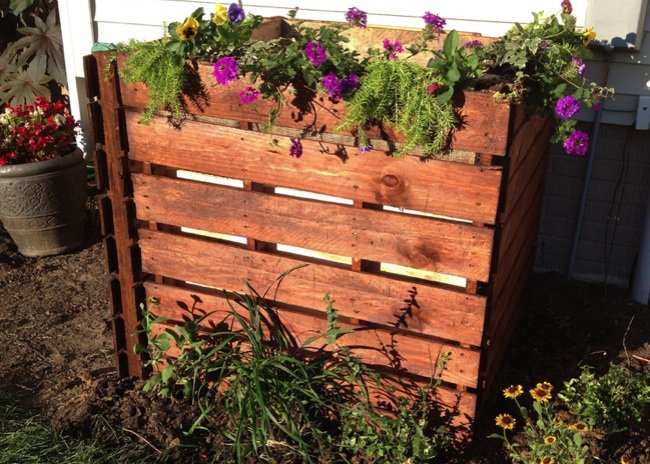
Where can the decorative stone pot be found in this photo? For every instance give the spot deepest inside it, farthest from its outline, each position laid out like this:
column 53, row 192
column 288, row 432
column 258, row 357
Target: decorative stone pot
column 43, row 204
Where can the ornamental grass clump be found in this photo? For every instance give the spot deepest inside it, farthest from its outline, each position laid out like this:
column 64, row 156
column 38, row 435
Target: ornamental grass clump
column 270, row 398
column 540, row 64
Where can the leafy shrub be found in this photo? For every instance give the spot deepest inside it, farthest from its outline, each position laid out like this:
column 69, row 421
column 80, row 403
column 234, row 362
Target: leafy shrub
column 611, row 401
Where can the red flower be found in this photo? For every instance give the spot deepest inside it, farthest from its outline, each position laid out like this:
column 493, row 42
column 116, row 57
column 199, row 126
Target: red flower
column 433, row 88
column 566, row 6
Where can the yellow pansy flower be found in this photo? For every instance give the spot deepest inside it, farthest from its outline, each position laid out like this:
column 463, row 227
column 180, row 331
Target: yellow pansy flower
column 220, row 15
column 588, row 36
column 188, row 29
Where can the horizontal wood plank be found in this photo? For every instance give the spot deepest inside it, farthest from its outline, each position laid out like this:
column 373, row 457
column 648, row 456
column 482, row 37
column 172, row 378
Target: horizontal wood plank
column 375, row 346
column 484, row 121
column 438, row 187
column 407, row 240
column 416, row 307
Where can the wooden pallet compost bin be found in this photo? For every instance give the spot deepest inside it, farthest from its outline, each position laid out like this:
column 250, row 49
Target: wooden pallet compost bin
column 420, row 257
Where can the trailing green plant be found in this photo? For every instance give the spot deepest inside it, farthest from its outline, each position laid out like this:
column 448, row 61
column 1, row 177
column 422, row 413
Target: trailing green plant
column 396, row 94
column 154, row 64
column 269, row 395
column 545, row 62
column 546, row 435
column 611, row 402
column 31, row 57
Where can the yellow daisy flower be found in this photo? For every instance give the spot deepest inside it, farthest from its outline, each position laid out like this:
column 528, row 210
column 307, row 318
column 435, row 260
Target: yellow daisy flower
column 550, row 440
column 624, row 461
column 547, row 460
column 220, row 15
column 188, row 29
column 540, row 394
column 580, row 427
column 513, row 391
column 545, row 386
column 588, row 36
column 505, row 421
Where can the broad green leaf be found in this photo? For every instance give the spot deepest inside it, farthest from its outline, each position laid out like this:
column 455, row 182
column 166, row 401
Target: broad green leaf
column 453, row 75
column 451, row 44
column 167, row 373
column 18, row 6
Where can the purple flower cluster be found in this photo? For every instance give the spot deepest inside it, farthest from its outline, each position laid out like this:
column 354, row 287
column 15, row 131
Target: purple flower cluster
column 434, row 21
column 336, row 87
column 577, row 143
column 236, row 13
column 567, row 107
column 248, row 95
column 365, row 148
column 225, row 70
column 356, row 17
column 296, row 147
column 392, row 49
column 316, row 53
column 580, row 64
column 473, row 44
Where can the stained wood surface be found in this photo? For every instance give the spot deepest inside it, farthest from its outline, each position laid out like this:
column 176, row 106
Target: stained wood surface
column 424, row 243
column 410, row 306
column 439, row 187
column 484, row 121
column 375, row 346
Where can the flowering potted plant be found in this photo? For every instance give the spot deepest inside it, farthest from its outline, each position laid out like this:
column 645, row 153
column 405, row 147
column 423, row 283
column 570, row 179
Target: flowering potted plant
column 540, row 64
column 42, row 178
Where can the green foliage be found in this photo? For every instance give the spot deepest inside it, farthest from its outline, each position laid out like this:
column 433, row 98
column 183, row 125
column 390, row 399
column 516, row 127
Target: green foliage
column 545, row 434
column 538, row 57
column 32, row 65
column 457, row 67
column 394, row 93
column 268, row 395
column 155, row 65
column 611, row 402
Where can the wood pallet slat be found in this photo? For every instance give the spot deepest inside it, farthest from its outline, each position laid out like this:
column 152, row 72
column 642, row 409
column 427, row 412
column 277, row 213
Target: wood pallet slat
column 423, row 243
column 436, row 311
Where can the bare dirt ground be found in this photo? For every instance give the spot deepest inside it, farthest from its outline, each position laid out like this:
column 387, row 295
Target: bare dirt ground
column 57, row 349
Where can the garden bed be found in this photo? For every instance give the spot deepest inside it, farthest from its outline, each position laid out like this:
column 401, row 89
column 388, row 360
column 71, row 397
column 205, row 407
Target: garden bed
column 421, row 258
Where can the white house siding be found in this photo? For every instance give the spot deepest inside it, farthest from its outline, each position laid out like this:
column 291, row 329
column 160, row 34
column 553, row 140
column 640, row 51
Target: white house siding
column 621, row 173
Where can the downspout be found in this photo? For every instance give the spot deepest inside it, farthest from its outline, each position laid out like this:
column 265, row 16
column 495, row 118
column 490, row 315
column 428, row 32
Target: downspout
column 641, row 283
column 595, row 134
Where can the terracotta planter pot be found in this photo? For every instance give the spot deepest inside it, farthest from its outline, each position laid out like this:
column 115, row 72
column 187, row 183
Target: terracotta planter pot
column 43, row 204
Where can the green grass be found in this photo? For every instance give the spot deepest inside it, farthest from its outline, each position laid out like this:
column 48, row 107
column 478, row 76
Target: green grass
column 26, row 438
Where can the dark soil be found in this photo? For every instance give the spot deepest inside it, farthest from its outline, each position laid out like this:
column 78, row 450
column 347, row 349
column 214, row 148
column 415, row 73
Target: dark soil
column 57, row 350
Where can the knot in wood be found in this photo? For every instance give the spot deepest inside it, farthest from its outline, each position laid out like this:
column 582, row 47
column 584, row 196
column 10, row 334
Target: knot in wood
column 390, row 180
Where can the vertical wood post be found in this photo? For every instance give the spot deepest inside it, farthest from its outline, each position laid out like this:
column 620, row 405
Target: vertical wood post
column 126, row 286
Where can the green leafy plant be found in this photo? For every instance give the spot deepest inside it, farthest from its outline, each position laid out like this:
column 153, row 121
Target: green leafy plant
column 32, row 63
column 610, row 402
column 269, row 395
column 546, row 437
column 394, row 93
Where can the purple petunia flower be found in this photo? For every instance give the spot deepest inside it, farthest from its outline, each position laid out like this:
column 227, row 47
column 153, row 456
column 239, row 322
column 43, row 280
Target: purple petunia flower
column 580, row 64
column 332, row 85
column 316, row 53
column 577, row 143
column 236, row 13
column 350, row 83
column 296, row 147
column 356, row 17
column 225, row 70
column 392, row 49
column 473, row 44
column 365, row 148
column 566, row 107
column 248, row 95
column 434, row 21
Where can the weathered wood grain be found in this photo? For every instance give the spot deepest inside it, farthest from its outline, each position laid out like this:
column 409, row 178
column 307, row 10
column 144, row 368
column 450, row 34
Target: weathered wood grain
column 414, row 241
column 415, row 355
column 415, row 307
column 439, row 187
